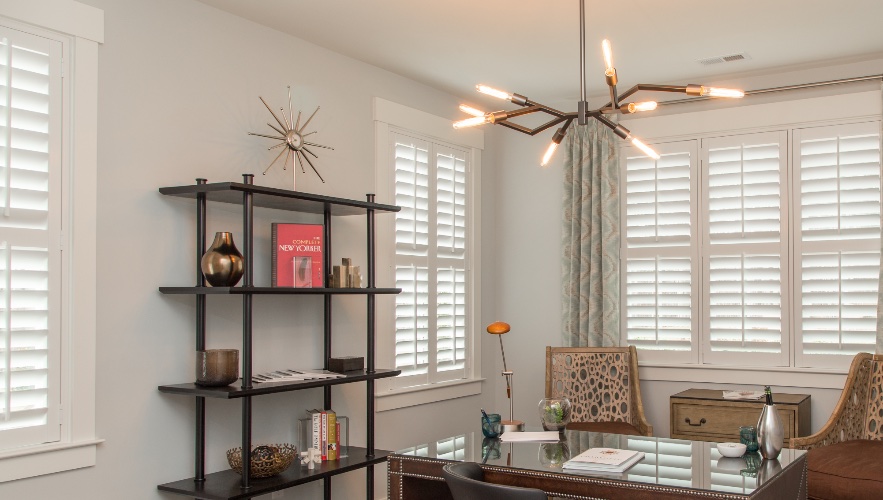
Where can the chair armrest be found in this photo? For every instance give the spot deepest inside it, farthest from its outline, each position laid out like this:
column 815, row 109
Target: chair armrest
column 848, row 418
column 638, row 419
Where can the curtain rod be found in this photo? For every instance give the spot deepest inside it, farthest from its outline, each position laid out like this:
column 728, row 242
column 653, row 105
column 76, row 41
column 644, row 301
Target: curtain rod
column 782, row 89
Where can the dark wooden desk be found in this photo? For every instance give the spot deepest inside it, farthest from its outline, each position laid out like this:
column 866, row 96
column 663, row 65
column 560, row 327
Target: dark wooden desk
column 671, row 470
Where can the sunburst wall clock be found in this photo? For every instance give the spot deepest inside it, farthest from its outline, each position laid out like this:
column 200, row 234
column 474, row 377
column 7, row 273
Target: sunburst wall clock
column 292, row 139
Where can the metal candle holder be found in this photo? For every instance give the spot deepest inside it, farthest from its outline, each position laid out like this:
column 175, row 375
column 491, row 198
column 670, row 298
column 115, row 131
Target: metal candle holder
column 499, row 328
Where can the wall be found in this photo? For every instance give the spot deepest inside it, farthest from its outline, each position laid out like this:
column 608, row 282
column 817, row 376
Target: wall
column 179, row 86
column 529, row 233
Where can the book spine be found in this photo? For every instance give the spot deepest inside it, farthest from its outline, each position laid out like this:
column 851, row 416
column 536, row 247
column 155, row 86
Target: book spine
column 332, row 435
column 337, row 437
column 317, row 430
column 324, row 444
column 274, row 244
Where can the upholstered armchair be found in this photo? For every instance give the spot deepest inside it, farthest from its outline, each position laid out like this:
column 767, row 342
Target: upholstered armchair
column 845, row 459
column 602, row 385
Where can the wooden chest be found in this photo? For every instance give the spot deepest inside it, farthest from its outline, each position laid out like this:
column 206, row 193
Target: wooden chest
column 704, row 415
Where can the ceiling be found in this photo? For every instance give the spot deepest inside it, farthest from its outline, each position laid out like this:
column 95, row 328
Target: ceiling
column 532, row 47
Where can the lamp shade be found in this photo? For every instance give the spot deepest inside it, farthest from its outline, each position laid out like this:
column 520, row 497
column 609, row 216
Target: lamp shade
column 498, row 328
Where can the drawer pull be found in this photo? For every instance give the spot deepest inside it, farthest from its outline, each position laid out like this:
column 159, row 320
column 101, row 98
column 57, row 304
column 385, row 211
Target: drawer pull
column 701, row 421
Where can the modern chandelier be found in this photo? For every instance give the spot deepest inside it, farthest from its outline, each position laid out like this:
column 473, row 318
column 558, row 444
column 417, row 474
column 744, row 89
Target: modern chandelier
column 583, row 113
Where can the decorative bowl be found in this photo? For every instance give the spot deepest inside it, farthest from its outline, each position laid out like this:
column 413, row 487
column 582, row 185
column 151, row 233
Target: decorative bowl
column 266, row 460
column 731, row 464
column 731, row 449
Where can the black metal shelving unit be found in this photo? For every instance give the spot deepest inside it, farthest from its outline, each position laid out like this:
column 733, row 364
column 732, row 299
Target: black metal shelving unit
column 228, row 484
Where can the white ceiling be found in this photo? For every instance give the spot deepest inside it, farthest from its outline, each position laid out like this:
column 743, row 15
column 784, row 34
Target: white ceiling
column 532, row 47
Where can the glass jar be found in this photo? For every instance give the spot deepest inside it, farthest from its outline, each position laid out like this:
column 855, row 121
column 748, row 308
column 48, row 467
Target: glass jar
column 554, row 413
column 491, row 426
column 748, row 437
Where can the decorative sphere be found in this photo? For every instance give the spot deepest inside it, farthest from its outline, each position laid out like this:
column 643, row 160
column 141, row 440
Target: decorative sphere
column 294, row 140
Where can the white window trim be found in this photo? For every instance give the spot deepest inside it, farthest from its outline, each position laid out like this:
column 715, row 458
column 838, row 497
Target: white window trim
column 839, row 109
column 388, row 114
column 77, row 448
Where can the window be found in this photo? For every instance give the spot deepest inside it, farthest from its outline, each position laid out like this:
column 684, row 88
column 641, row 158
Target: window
column 48, row 167
column 31, row 266
column 735, row 255
column 428, row 249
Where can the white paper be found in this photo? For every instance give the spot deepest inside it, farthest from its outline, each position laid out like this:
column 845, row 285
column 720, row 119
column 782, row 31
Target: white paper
column 742, row 394
column 517, row 437
column 294, row 376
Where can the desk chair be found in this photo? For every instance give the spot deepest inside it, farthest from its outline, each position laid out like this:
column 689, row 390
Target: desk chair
column 466, row 482
column 602, row 386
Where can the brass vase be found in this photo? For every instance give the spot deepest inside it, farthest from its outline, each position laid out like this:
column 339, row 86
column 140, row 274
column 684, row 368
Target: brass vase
column 222, row 264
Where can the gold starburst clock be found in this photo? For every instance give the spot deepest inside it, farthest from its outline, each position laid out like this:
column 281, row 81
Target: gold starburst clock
column 292, row 137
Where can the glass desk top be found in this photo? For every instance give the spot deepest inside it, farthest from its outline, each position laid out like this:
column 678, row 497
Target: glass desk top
column 667, row 462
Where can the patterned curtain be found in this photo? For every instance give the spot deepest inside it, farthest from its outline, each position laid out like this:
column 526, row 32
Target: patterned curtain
column 590, row 263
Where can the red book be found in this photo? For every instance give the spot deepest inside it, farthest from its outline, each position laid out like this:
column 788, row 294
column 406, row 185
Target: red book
column 297, row 255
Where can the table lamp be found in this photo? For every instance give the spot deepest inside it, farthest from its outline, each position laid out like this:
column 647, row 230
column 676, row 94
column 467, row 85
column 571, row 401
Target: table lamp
column 499, row 328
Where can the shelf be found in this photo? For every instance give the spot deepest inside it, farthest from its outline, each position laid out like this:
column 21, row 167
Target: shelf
column 225, row 485
column 236, row 391
column 280, row 199
column 273, row 290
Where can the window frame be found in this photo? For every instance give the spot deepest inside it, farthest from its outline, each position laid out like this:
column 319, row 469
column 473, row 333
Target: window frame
column 391, row 117
column 789, row 114
column 81, row 29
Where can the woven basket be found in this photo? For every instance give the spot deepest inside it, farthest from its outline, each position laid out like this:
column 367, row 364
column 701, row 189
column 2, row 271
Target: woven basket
column 266, row 460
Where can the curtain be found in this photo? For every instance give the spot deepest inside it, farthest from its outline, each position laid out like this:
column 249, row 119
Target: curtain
column 590, row 262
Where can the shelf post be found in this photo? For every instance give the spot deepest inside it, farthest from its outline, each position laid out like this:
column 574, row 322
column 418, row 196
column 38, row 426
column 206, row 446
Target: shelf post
column 369, row 472
column 248, row 256
column 199, row 451
column 326, row 263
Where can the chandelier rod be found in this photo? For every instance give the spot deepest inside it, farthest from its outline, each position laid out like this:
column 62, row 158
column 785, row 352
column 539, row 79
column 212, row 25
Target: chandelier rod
column 582, row 50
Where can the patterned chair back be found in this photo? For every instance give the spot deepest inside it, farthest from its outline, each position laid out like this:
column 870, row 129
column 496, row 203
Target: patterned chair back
column 597, row 381
column 874, row 414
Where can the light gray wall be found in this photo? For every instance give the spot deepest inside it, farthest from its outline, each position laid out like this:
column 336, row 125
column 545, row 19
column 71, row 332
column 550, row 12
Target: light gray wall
column 179, row 86
column 528, row 235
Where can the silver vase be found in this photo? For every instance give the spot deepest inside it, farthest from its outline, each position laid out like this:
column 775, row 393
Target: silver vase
column 222, row 263
column 770, row 433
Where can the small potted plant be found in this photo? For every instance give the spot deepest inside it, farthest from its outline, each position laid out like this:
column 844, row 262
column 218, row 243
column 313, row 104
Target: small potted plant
column 554, row 413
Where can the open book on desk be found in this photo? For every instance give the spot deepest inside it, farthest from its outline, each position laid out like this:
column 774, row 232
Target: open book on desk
column 606, row 460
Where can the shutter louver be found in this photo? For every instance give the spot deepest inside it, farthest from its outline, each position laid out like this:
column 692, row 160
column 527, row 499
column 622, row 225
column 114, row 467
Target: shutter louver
column 658, row 201
column 26, row 255
column 451, row 320
column 412, row 194
column 744, row 184
column 412, row 320
column 451, row 205
column 839, row 306
column 658, row 303
column 745, row 296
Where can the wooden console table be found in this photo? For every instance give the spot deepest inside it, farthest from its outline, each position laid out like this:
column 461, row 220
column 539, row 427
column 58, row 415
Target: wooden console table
column 704, row 415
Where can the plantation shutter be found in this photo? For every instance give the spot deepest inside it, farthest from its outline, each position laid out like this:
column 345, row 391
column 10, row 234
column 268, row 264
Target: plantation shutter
column 660, row 258
column 431, row 261
column 745, row 248
column 451, row 254
column 837, row 266
column 30, row 222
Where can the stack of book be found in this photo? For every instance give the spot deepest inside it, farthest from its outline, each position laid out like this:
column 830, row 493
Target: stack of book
column 603, row 461
column 325, row 433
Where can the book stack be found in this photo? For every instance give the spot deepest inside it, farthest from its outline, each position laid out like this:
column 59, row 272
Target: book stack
column 325, row 433
column 603, row 461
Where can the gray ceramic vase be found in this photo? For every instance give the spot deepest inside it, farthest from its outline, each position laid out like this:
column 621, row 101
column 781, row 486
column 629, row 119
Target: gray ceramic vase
column 222, row 264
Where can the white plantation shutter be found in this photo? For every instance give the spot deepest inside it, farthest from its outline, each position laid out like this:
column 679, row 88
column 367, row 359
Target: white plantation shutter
column 659, row 252
column 744, row 276
column 30, row 220
column 431, row 261
column 837, row 255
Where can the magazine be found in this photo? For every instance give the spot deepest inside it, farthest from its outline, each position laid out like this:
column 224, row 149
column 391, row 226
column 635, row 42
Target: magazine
column 294, row 375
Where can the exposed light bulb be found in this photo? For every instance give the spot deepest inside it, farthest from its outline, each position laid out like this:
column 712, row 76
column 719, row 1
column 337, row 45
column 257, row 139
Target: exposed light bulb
column 608, row 55
column 549, row 152
column 645, row 148
column 472, row 111
column 499, row 94
column 719, row 92
column 471, row 122
column 634, row 107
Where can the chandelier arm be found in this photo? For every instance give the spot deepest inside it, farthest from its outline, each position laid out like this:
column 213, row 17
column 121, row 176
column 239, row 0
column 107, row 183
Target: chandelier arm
column 515, row 126
column 647, row 87
column 524, row 111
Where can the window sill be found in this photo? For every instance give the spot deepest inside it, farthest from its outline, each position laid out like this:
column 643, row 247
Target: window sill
column 419, row 395
column 733, row 375
column 47, row 459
